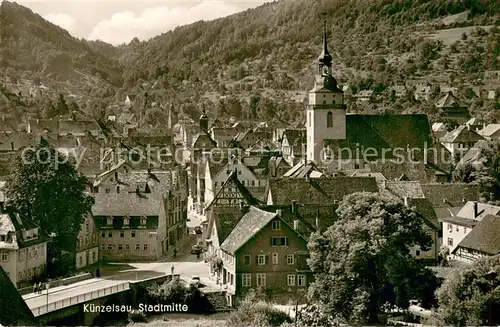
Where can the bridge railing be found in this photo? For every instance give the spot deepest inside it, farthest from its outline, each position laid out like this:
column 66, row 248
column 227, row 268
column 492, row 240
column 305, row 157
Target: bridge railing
column 80, row 298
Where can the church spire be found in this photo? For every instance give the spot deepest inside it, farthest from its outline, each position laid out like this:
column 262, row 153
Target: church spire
column 324, row 59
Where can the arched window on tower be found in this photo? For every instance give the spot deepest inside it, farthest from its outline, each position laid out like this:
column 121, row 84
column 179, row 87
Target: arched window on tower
column 329, row 119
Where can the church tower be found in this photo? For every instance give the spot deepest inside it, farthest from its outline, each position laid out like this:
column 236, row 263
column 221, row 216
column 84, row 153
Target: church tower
column 203, row 122
column 326, row 110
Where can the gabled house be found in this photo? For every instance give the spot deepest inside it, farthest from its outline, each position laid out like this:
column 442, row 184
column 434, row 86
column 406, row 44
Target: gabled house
column 223, row 135
column 278, row 166
column 265, row 254
column 452, row 108
column 293, row 145
column 457, row 227
column 490, row 132
column 130, row 100
column 423, row 93
column 423, row 207
column 23, row 248
column 133, row 226
column 460, row 140
column 364, row 95
column 87, row 243
column 475, row 155
column 482, row 241
column 476, row 124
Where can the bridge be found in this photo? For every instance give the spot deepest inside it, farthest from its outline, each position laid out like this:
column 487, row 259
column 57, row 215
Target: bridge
column 67, row 302
column 66, row 296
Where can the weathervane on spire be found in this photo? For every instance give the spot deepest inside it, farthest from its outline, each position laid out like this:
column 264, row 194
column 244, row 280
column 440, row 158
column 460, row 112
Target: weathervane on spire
column 325, row 59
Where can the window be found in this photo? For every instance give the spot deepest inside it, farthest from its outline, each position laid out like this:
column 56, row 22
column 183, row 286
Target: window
column 110, row 221
column 457, row 229
column 143, row 221
column 246, row 280
column 329, row 119
column 110, row 247
column 275, row 258
column 126, row 221
column 137, row 247
column 127, row 247
column 103, row 234
column 2, row 238
column 450, row 227
column 261, row 279
column 246, row 260
column 4, row 256
column 110, row 234
column 261, row 259
column 108, row 190
column 277, row 225
column 301, row 280
column 133, row 233
column 291, row 280
column 145, row 247
column 450, row 241
column 309, row 119
column 120, row 247
column 465, row 230
column 290, row 259
column 103, row 247
column 122, row 234
column 417, row 253
column 279, row 240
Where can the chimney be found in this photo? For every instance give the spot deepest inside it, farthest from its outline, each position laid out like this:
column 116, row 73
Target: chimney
column 476, row 211
column 296, row 224
column 294, row 207
column 405, row 199
column 279, row 212
column 116, row 176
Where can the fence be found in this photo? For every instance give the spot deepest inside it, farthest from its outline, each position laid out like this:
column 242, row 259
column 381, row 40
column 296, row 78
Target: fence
column 57, row 282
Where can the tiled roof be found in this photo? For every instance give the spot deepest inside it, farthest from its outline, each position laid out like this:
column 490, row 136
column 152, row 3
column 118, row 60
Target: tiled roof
column 14, row 311
column 483, row 209
column 450, row 194
column 224, row 219
column 490, row 130
column 425, row 208
column 250, row 224
column 233, row 180
column 484, row 237
column 294, row 134
column 79, row 127
column 461, row 135
column 216, row 167
column 414, row 171
column 404, row 189
column 450, row 101
column 317, row 190
column 127, row 204
column 8, row 124
column 475, row 153
column 303, row 169
column 378, row 176
column 379, row 132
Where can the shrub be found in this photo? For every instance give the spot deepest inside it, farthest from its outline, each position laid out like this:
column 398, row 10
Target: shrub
column 252, row 312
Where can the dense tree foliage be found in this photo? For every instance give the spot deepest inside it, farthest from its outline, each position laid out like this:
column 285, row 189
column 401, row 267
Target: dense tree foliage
column 489, row 175
column 471, row 295
column 362, row 262
column 47, row 188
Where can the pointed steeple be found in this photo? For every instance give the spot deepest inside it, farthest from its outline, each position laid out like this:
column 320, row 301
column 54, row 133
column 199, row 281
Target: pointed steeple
column 324, row 59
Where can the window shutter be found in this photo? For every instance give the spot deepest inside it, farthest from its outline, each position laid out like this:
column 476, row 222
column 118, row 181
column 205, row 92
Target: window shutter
column 286, row 241
column 271, row 241
column 267, row 259
column 256, row 259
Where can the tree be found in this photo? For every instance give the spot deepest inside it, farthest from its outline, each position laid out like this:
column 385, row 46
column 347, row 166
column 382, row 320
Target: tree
column 61, row 106
column 489, row 175
column 362, row 262
column 463, row 173
column 471, row 295
column 46, row 187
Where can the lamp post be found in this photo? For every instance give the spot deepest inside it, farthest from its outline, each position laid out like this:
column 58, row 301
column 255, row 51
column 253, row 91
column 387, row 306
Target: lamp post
column 491, row 275
column 47, row 288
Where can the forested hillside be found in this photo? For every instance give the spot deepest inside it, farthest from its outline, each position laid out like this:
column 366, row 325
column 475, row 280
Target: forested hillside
column 259, row 63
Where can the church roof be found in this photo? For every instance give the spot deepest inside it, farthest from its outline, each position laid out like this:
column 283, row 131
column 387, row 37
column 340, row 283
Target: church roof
column 15, row 311
column 379, row 132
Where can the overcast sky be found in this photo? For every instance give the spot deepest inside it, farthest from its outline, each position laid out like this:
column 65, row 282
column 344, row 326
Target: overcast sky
column 118, row 22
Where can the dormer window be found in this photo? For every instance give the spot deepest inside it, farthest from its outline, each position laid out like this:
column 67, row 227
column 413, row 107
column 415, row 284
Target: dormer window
column 126, row 221
column 143, row 220
column 110, row 220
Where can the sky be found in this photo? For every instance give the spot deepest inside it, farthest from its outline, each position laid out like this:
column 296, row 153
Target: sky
column 118, row 22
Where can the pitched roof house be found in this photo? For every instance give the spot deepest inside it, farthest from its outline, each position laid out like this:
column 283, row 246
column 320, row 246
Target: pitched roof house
column 453, row 108
column 482, row 241
column 460, row 140
column 490, row 132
